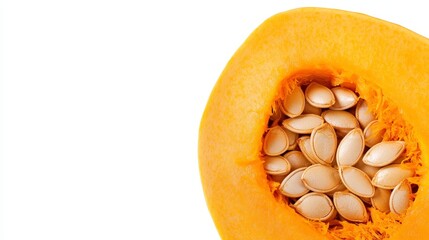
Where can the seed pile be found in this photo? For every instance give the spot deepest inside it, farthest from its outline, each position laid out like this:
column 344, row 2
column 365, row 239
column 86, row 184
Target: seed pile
column 326, row 150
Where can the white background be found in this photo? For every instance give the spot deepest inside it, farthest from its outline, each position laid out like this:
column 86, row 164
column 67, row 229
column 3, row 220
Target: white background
column 101, row 108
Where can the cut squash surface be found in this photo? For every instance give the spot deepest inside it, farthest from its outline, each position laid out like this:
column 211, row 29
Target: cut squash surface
column 385, row 63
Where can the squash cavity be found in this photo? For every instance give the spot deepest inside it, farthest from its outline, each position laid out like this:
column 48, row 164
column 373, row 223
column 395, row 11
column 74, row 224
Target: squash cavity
column 394, row 128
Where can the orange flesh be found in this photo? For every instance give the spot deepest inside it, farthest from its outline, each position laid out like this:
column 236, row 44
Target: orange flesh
column 387, row 63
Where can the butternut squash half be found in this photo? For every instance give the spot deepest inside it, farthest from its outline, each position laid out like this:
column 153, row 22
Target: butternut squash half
column 388, row 66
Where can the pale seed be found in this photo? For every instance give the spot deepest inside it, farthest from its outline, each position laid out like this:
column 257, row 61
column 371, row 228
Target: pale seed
column 350, row 148
column 356, row 181
column 350, row 207
column 339, row 188
column 390, row 176
column 365, row 200
column 400, row 198
column 324, row 143
column 380, row 200
column 292, row 185
column 373, row 133
column 293, row 146
column 321, row 178
column 344, row 98
column 308, row 108
column 340, row 119
column 363, row 115
column 278, row 178
column 341, row 133
column 304, row 144
column 383, row 153
column 294, row 103
column 303, row 124
column 369, row 170
column 334, row 163
column 319, row 95
column 277, row 165
column 315, row 206
column 276, row 141
column 297, row 160
column 292, row 137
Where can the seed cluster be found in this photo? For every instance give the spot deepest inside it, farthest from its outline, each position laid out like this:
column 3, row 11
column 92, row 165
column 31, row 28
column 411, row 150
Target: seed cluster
column 326, row 150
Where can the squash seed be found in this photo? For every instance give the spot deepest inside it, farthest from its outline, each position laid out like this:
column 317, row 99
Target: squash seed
column 304, row 144
column 321, row 178
column 344, row 98
column 292, row 185
column 276, row 141
column 297, row 160
column 319, row 95
column 278, row 178
column 334, row 164
column 293, row 147
column 339, row 188
column 390, row 176
column 350, row 148
column 350, row 207
column 341, row 133
column 363, row 115
column 356, row 181
column 294, row 103
column 373, row 134
column 383, row 153
column 340, row 119
column 277, row 165
column 308, row 108
column 303, row 124
column 324, row 143
column 316, row 206
column 381, row 199
column 369, row 170
column 292, row 137
column 365, row 200
column 400, row 198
